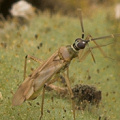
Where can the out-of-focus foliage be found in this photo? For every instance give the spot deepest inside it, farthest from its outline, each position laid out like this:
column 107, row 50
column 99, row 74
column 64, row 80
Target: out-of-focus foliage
column 62, row 6
column 70, row 6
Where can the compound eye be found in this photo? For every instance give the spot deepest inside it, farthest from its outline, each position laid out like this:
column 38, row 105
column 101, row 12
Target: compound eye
column 81, row 45
column 78, row 40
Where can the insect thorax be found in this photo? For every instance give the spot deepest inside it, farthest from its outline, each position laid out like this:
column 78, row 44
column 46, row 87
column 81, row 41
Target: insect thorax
column 67, row 53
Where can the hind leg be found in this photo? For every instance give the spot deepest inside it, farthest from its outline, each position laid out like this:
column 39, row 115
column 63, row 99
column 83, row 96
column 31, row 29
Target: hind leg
column 32, row 58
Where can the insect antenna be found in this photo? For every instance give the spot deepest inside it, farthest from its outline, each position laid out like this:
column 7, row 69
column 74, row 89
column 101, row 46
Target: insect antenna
column 105, row 37
column 81, row 22
column 102, row 45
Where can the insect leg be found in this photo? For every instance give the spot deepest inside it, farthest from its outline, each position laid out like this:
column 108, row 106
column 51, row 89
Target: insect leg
column 81, row 52
column 42, row 104
column 101, row 50
column 84, row 55
column 89, row 37
column 91, row 53
column 70, row 90
column 52, row 81
column 30, row 57
column 35, row 59
column 57, row 89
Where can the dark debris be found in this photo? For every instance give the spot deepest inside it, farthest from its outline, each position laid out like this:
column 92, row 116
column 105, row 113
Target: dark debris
column 86, row 94
column 83, row 95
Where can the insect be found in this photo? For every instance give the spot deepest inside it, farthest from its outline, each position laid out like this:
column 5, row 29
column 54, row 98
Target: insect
column 50, row 70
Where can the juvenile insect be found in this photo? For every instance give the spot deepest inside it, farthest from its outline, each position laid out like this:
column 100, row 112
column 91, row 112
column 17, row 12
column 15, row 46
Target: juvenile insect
column 57, row 64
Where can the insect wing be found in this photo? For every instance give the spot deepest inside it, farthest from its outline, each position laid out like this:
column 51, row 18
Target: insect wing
column 19, row 97
column 45, row 75
column 31, row 86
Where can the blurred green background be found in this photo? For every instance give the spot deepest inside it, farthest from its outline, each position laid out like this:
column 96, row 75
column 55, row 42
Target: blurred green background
column 52, row 30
